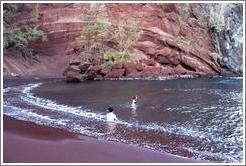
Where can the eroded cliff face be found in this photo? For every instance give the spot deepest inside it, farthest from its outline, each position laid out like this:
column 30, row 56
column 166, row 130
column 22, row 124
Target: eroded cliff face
column 176, row 40
column 229, row 40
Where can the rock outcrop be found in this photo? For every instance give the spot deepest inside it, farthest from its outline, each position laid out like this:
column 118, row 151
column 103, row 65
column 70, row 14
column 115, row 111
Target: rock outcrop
column 176, row 40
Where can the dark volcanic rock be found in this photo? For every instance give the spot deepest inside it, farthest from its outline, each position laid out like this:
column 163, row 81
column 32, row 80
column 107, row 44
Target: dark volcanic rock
column 105, row 71
column 72, row 75
column 84, row 67
column 94, row 69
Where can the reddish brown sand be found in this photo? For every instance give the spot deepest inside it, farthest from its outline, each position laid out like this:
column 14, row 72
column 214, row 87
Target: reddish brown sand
column 26, row 142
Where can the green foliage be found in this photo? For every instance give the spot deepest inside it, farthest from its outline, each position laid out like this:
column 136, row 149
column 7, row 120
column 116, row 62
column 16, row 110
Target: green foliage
column 126, row 35
column 34, row 34
column 8, row 10
column 16, row 37
column 98, row 29
column 36, row 13
column 111, row 58
column 214, row 22
column 20, row 39
column 180, row 40
column 9, row 7
column 96, row 26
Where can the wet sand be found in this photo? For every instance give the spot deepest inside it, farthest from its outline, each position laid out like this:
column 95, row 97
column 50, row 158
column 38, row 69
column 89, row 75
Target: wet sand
column 27, row 142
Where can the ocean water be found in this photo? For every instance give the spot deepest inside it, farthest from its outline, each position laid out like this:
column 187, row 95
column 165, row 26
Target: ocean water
column 194, row 118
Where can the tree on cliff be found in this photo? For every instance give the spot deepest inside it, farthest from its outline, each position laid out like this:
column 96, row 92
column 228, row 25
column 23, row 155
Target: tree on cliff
column 98, row 28
column 125, row 34
column 15, row 36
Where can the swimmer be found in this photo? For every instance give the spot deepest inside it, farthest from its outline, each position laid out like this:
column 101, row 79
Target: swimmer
column 134, row 101
column 110, row 115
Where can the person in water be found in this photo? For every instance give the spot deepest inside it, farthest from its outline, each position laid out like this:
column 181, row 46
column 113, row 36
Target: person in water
column 110, row 115
column 134, row 101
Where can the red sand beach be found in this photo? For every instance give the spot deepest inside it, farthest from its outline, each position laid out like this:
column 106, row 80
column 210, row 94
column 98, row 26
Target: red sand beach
column 26, row 142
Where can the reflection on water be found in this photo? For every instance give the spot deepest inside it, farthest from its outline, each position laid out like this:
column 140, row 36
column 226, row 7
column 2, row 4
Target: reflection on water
column 134, row 111
column 110, row 127
column 195, row 118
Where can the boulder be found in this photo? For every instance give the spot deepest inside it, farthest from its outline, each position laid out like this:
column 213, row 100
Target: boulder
column 151, row 71
column 75, row 60
column 91, row 75
column 75, row 63
column 84, row 67
column 167, row 70
column 98, row 78
column 139, row 67
column 166, row 51
column 95, row 59
column 172, row 43
column 95, row 69
column 174, row 58
column 149, row 62
column 163, row 60
column 115, row 73
column 104, row 71
column 74, row 68
column 180, row 70
column 117, row 66
column 71, row 75
column 130, row 68
column 71, row 69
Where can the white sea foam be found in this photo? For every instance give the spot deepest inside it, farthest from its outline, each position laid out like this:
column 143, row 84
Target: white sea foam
column 28, row 96
column 159, row 78
column 25, row 114
column 8, row 89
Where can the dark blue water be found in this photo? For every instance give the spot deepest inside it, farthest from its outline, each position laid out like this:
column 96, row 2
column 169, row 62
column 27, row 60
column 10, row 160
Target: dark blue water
column 195, row 118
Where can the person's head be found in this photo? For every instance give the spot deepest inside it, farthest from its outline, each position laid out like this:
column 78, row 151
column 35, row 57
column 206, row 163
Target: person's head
column 110, row 109
column 134, row 97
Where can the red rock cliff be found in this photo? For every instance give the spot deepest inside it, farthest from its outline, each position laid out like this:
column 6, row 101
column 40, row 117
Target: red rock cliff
column 175, row 40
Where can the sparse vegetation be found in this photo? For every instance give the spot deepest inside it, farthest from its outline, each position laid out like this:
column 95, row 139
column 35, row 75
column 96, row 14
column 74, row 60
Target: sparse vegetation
column 125, row 36
column 36, row 14
column 99, row 29
column 215, row 22
column 111, row 58
column 15, row 36
column 96, row 27
column 8, row 9
column 180, row 40
column 20, row 39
